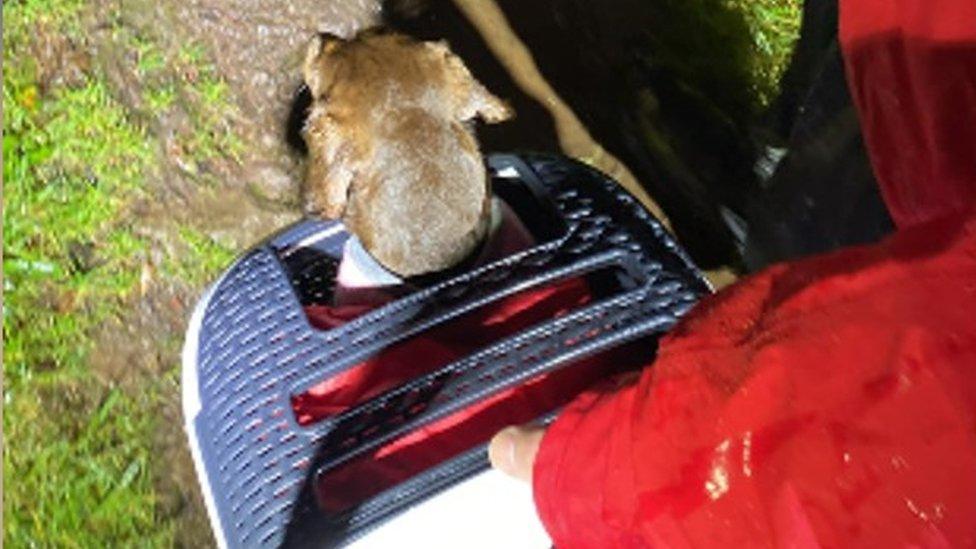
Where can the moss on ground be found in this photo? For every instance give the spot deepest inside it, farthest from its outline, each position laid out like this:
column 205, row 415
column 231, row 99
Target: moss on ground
column 774, row 26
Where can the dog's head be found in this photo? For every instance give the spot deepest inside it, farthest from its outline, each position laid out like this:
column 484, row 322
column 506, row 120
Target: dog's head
column 387, row 133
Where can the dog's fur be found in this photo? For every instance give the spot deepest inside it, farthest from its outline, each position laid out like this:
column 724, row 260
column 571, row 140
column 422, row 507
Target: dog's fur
column 391, row 150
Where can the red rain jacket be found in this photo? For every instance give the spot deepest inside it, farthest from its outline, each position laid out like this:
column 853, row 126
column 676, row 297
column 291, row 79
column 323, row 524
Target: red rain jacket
column 829, row 402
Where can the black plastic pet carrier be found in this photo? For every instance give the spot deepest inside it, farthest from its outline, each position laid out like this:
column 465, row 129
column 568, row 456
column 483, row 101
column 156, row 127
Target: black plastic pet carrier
column 271, row 479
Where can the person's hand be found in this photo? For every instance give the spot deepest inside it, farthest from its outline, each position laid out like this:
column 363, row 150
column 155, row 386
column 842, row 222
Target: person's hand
column 513, row 449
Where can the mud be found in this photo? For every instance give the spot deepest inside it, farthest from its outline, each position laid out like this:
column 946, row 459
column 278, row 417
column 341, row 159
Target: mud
column 58, row 61
column 140, row 351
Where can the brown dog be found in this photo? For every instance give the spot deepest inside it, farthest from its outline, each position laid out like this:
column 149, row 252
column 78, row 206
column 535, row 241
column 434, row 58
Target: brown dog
column 391, row 150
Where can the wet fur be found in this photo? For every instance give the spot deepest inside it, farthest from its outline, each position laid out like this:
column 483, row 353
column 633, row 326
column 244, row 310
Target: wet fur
column 391, row 150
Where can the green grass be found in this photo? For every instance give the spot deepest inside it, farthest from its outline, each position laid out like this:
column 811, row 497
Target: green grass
column 78, row 450
column 199, row 259
column 211, row 137
column 76, row 453
column 187, row 77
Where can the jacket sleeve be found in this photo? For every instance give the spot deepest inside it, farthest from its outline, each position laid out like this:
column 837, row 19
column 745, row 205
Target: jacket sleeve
column 827, row 402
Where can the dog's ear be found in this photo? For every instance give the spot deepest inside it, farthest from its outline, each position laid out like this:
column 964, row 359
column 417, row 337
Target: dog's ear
column 490, row 108
column 472, row 99
column 315, row 69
